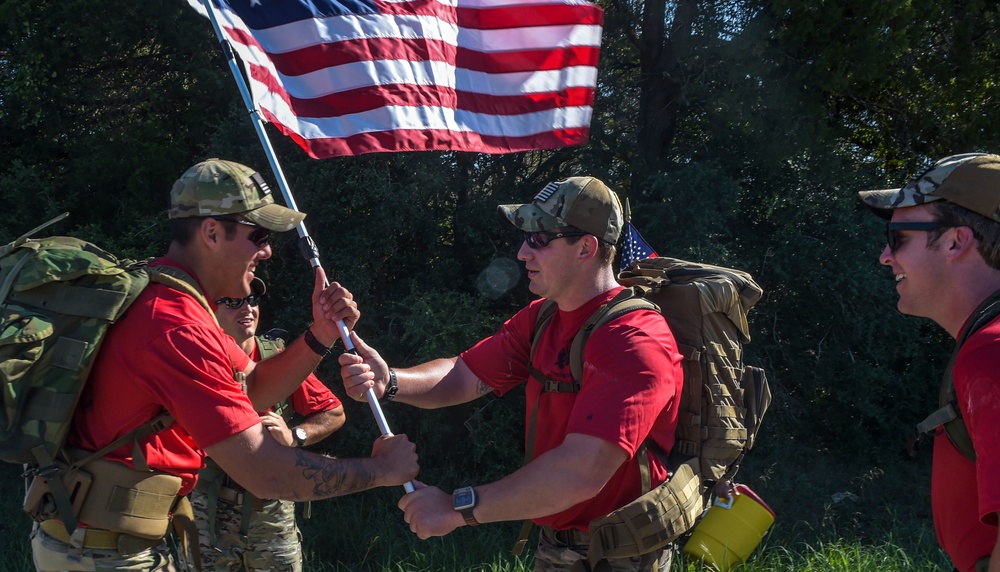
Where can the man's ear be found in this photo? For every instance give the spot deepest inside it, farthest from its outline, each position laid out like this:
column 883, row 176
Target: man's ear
column 963, row 240
column 210, row 231
column 589, row 246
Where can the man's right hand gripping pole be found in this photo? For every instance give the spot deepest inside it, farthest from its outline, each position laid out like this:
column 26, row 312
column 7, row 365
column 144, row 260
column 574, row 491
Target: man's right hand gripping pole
column 334, row 306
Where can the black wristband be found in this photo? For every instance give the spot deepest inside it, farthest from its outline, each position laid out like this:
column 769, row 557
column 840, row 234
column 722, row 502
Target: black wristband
column 311, row 341
column 390, row 389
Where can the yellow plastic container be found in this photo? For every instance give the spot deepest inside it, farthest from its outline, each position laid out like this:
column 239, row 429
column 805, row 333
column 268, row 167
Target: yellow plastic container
column 730, row 530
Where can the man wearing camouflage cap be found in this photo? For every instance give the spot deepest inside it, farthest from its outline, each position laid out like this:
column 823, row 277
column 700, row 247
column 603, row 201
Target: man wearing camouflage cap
column 944, row 251
column 583, row 444
column 168, row 354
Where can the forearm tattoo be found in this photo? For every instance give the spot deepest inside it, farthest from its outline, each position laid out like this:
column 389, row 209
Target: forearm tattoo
column 333, row 477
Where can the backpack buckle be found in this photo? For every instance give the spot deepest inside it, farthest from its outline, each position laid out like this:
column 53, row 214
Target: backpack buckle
column 47, row 473
column 161, row 422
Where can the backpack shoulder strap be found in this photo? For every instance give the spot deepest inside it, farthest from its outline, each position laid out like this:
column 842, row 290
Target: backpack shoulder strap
column 950, row 415
column 175, row 278
column 268, row 347
column 628, row 300
column 548, row 310
column 545, row 315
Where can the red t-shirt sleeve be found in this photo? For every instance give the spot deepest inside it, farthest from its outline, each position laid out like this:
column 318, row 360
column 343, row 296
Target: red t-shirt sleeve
column 202, row 396
column 313, row 396
column 501, row 360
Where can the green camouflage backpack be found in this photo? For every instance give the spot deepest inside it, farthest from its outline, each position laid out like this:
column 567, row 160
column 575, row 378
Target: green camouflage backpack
column 58, row 296
column 722, row 402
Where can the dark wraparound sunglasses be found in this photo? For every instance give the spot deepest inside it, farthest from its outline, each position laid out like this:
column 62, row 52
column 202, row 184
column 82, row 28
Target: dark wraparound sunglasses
column 233, row 303
column 542, row 238
column 893, row 227
column 260, row 236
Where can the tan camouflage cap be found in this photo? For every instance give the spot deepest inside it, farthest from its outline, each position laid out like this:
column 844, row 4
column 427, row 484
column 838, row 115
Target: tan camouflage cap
column 217, row 187
column 582, row 202
column 970, row 180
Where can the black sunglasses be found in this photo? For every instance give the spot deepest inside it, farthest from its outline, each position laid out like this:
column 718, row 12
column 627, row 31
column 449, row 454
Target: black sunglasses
column 542, row 238
column 260, row 236
column 233, row 303
column 892, row 228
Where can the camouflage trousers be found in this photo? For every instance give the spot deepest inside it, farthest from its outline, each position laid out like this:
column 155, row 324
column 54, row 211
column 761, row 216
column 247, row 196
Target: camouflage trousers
column 53, row 555
column 270, row 541
column 559, row 552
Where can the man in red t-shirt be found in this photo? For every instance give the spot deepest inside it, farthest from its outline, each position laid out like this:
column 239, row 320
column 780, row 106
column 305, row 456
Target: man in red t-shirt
column 235, row 530
column 584, row 461
column 944, row 250
column 168, row 354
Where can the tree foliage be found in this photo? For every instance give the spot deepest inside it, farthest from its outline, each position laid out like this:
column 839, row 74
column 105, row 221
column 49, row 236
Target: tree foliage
column 739, row 130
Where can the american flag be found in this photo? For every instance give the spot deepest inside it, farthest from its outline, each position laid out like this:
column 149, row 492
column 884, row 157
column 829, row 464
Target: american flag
column 634, row 247
column 360, row 76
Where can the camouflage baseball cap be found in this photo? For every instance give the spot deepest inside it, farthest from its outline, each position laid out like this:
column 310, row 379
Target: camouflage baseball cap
column 217, row 187
column 582, row 202
column 970, row 180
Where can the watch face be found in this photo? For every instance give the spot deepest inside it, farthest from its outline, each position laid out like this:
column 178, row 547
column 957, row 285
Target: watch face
column 300, row 434
column 464, row 498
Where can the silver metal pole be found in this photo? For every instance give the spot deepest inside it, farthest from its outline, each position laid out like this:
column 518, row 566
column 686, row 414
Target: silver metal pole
column 306, row 244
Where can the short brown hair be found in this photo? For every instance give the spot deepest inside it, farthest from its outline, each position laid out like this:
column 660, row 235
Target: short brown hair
column 605, row 250
column 182, row 230
column 986, row 231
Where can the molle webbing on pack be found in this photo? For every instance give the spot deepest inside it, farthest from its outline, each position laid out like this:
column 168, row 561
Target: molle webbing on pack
column 653, row 520
column 723, row 400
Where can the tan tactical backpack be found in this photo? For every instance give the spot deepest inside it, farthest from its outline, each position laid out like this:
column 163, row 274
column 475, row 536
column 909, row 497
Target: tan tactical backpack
column 722, row 402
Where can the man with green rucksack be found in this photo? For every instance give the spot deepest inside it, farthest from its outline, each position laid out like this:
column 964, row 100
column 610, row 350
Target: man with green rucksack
column 943, row 248
column 582, row 446
column 167, row 368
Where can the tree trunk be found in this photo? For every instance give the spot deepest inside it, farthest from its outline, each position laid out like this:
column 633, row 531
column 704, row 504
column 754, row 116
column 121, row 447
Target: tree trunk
column 661, row 87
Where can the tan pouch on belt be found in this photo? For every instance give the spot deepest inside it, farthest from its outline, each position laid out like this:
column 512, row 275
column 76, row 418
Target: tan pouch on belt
column 125, row 500
column 111, row 496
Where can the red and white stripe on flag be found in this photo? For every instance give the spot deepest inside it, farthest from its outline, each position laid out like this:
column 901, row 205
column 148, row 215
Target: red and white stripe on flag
column 361, row 76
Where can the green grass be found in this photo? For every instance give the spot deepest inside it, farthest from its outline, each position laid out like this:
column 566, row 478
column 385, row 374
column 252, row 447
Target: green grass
column 886, row 529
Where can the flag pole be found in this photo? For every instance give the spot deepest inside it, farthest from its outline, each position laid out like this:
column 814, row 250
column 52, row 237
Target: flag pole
column 307, row 246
